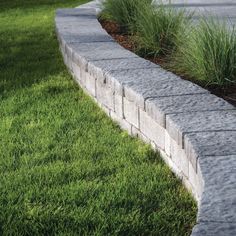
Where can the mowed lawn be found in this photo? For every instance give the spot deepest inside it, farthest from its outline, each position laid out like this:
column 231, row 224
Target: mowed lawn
column 65, row 168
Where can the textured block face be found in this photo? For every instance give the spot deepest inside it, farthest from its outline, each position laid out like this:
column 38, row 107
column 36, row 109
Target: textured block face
column 122, row 123
column 81, row 30
column 82, row 80
column 90, row 84
column 99, row 51
column 152, row 130
column 177, row 124
column 76, row 71
column 76, row 12
column 193, row 179
column 131, row 112
column 214, row 229
column 159, row 107
column 134, row 76
column 167, row 143
column 137, row 133
column 78, row 27
column 118, row 100
column 219, row 198
column 179, row 158
column 105, row 95
column 64, row 21
column 209, row 144
column 99, row 68
column 123, row 79
column 89, row 37
column 152, row 87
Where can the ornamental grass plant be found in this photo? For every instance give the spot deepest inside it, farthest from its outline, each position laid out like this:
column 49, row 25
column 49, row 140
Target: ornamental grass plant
column 157, row 28
column 123, row 11
column 207, row 52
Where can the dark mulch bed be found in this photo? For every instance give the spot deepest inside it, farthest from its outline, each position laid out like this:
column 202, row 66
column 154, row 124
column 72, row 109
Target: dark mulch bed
column 229, row 93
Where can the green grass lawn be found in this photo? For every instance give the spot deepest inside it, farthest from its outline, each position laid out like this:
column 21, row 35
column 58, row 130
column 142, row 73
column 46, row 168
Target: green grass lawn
column 65, row 168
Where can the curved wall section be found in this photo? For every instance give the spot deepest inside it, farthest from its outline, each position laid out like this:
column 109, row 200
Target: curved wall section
column 194, row 131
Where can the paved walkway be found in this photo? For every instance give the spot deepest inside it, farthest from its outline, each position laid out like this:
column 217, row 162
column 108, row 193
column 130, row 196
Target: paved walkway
column 223, row 9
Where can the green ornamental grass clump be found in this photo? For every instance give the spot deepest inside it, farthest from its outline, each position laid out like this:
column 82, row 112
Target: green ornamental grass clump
column 158, row 28
column 123, row 11
column 208, row 53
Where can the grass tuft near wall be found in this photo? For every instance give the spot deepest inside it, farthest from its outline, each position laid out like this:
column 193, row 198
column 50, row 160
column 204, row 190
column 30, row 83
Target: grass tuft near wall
column 157, row 29
column 123, row 11
column 207, row 52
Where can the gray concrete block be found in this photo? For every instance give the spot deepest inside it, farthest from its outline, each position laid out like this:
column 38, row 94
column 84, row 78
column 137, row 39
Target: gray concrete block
column 209, row 144
column 122, row 123
column 90, row 84
column 98, row 51
column 119, row 109
column 218, row 201
column 167, row 143
column 77, row 72
column 131, row 112
column 179, row 124
column 152, row 130
column 152, row 87
column 86, row 37
column 179, row 157
column 69, row 12
column 195, row 180
column 159, row 107
column 105, row 94
column 138, row 134
column 120, row 78
column 82, row 80
column 104, row 108
column 99, row 68
column 80, row 30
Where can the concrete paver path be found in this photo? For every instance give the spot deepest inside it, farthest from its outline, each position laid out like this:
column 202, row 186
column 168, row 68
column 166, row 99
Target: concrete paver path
column 222, row 9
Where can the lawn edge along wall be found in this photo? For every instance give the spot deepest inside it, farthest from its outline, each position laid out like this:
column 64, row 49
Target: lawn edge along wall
column 194, row 131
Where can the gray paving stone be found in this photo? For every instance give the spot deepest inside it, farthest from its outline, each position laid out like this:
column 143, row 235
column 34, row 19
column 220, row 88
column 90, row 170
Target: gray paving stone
column 131, row 112
column 99, row 68
column 80, row 31
column 63, row 22
column 76, row 12
column 151, row 88
column 209, row 144
column 179, row 157
column 122, row 122
column 119, row 78
column 86, row 38
column 98, row 51
column 218, row 201
column 152, row 130
column 105, row 95
column 159, row 107
column 214, row 229
column 178, row 124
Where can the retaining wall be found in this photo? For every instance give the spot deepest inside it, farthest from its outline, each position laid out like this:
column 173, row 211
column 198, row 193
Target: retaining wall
column 194, row 131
